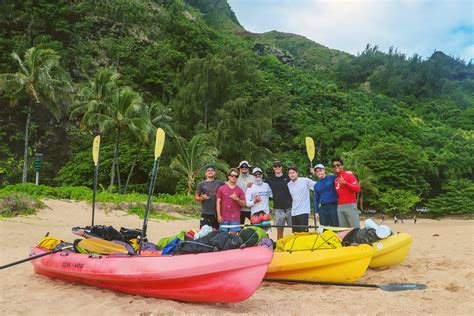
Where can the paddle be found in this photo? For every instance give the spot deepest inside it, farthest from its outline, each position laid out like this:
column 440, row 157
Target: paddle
column 391, row 287
column 95, row 157
column 159, row 143
column 310, row 151
column 102, row 246
column 336, row 229
column 34, row 257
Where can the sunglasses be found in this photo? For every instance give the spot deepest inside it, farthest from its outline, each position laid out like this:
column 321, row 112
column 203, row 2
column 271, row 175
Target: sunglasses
column 258, row 174
column 233, row 175
column 336, row 165
column 244, row 167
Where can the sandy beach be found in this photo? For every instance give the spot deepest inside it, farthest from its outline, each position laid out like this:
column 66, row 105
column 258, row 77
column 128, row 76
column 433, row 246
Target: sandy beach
column 442, row 256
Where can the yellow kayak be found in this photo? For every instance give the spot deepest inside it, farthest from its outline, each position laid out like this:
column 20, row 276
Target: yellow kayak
column 391, row 251
column 346, row 264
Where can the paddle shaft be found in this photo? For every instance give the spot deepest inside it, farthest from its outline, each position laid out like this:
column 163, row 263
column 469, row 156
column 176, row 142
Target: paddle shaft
column 321, row 282
column 96, row 175
column 33, row 257
column 151, row 189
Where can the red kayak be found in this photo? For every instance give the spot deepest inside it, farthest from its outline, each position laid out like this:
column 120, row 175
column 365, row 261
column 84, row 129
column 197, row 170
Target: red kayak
column 226, row 276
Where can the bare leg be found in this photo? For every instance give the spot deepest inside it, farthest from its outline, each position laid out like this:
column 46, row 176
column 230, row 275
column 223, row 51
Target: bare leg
column 280, row 233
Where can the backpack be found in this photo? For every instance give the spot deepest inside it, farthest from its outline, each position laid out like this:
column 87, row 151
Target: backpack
column 360, row 236
column 217, row 240
column 252, row 235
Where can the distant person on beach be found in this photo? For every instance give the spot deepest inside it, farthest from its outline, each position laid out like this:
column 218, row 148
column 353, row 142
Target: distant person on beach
column 325, row 198
column 206, row 194
column 383, row 218
column 414, row 219
column 244, row 181
column 347, row 188
column 301, row 205
column 281, row 197
column 395, row 219
column 230, row 199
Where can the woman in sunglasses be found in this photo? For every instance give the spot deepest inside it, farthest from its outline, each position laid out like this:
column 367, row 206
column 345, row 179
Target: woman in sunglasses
column 230, row 200
column 347, row 188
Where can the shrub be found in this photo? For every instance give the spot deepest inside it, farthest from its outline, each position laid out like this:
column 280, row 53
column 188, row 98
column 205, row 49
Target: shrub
column 18, row 204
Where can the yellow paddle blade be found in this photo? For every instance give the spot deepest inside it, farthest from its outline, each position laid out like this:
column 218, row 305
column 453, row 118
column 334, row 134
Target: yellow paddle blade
column 95, row 149
column 159, row 142
column 101, row 246
column 310, row 148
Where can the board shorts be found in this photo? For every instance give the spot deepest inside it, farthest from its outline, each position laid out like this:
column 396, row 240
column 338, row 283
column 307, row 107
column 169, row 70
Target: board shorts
column 230, row 229
column 282, row 215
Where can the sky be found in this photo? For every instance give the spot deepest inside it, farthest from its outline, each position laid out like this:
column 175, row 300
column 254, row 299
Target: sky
column 411, row 26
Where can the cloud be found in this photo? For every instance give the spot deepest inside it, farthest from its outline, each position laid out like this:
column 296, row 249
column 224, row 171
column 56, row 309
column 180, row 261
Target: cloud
column 412, row 26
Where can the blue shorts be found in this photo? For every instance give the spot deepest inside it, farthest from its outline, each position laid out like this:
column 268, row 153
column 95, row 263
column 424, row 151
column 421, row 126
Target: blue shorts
column 230, row 229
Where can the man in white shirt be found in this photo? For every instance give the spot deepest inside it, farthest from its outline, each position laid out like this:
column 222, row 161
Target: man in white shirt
column 258, row 195
column 301, row 206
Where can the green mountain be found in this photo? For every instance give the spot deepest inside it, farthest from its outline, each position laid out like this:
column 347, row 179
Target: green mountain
column 400, row 122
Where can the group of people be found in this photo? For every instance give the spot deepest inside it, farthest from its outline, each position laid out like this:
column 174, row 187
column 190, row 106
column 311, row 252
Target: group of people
column 226, row 205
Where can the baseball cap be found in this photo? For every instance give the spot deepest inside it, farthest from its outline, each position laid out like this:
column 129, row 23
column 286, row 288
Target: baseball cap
column 319, row 166
column 210, row 165
column 277, row 163
column 244, row 162
column 257, row 169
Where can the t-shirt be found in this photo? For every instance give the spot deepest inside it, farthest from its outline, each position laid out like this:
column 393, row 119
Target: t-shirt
column 242, row 181
column 324, row 192
column 208, row 207
column 230, row 209
column 264, row 191
column 281, row 195
column 347, row 193
column 299, row 191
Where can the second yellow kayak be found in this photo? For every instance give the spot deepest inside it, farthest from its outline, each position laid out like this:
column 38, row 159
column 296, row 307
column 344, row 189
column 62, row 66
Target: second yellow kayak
column 391, row 251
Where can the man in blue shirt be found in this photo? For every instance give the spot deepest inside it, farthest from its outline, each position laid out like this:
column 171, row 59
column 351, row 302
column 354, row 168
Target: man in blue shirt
column 325, row 198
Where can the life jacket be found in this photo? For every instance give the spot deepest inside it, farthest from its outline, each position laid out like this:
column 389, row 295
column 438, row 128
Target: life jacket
column 252, row 235
column 309, row 241
column 49, row 242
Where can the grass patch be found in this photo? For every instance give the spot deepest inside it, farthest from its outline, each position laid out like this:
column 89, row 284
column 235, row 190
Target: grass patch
column 15, row 204
column 140, row 211
column 85, row 194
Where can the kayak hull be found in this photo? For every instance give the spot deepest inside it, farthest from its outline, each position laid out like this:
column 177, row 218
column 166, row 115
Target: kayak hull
column 391, row 251
column 346, row 264
column 227, row 276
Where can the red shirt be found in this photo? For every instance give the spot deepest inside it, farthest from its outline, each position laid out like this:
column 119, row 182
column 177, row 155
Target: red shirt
column 230, row 209
column 346, row 193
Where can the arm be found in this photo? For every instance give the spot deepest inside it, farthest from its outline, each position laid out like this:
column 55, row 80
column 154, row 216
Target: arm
column 311, row 184
column 241, row 199
column 316, row 202
column 197, row 194
column 351, row 183
column 248, row 198
column 218, row 210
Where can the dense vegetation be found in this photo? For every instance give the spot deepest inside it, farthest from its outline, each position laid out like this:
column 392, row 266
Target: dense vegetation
column 122, row 68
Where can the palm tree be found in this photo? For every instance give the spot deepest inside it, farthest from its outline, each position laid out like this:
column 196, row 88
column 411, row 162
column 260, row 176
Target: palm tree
column 159, row 117
column 94, row 97
column 41, row 80
column 126, row 112
column 192, row 156
column 367, row 182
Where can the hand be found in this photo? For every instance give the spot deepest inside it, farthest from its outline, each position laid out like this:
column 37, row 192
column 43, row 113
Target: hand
column 257, row 199
column 220, row 219
column 249, row 185
column 204, row 196
column 311, row 170
column 341, row 180
column 234, row 197
column 317, row 216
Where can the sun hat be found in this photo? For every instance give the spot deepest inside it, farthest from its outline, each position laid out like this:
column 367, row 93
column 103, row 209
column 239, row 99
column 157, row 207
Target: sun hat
column 319, row 166
column 383, row 231
column 244, row 162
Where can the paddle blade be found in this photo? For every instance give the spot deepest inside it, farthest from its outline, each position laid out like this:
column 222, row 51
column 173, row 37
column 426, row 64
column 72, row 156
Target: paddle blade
column 310, row 148
column 95, row 149
column 159, row 142
column 102, row 246
column 395, row 287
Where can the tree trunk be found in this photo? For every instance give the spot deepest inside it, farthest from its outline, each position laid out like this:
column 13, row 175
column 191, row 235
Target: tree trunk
column 131, row 170
column 25, row 149
column 112, row 170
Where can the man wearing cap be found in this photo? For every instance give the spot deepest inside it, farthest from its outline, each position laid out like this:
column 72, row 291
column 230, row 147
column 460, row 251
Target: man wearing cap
column 258, row 195
column 347, row 188
column 244, row 181
column 281, row 197
column 301, row 206
column 325, row 198
column 206, row 194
